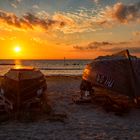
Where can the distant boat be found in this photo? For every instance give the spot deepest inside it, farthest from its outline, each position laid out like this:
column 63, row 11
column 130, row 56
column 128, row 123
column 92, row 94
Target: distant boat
column 119, row 72
column 22, row 87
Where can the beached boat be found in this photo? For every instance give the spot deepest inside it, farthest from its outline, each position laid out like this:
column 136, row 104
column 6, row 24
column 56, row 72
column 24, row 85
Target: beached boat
column 119, row 72
column 22, row 88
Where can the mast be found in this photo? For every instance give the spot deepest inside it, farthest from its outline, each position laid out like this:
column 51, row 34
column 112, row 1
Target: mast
column 132, row 72
column 133, row 77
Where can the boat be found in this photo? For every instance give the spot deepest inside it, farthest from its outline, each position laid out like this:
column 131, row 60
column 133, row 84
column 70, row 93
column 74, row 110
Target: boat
column 22, row 88
column 119, row 72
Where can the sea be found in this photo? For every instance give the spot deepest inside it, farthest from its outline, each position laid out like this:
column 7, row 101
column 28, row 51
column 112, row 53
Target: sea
column 48, row 67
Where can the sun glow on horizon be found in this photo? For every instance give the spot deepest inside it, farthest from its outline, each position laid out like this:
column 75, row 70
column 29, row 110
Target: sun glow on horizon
column 17, row 49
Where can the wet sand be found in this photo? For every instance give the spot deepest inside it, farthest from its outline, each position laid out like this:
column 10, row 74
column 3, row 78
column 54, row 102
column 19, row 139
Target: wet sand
column 84, row 122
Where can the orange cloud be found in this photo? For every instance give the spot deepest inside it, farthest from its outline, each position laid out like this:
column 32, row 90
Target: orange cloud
column 64, row 22
column 29, row 21
column 93, row 45
column 96, row 1
column 109, row 46
column 137, row 33
column 82, row 20
column 67, row 20
column 14, row 3
column 120, row 13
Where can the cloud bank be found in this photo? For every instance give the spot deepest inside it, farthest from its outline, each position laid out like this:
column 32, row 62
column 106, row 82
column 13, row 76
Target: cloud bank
column 14, row 3
column 82, row 20
column 121, row 13
column 29, row 21
column 109, row 46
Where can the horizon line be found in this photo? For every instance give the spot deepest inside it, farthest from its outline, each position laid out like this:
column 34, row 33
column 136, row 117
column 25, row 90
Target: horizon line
column 51, row 59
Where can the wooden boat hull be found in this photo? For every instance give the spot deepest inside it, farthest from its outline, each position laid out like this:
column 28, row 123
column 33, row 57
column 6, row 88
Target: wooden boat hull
column 114, row 74
column 23, row 88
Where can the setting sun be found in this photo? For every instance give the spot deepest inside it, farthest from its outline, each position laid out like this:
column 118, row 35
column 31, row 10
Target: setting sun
column 32, row 29
column 17, row 49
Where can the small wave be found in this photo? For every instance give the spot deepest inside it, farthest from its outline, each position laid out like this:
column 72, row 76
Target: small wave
column 63, row 75
column 60, row 68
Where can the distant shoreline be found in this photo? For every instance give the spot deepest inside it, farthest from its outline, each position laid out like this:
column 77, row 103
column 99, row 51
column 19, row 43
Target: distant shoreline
column 6, row 64
column 90, row 59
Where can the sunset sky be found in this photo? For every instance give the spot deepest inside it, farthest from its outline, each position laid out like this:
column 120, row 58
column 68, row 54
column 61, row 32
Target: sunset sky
column 75, row 29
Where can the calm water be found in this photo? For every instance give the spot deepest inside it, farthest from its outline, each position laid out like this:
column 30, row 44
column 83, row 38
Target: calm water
column 48, row 67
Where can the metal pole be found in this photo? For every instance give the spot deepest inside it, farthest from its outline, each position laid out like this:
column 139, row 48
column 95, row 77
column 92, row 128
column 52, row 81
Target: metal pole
column 64, row 60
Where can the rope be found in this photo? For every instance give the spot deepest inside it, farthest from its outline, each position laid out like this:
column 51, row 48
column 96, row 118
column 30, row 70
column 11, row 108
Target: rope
column 5, row 102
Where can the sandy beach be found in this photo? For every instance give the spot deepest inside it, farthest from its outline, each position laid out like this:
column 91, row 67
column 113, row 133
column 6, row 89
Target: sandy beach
column 83, row 122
